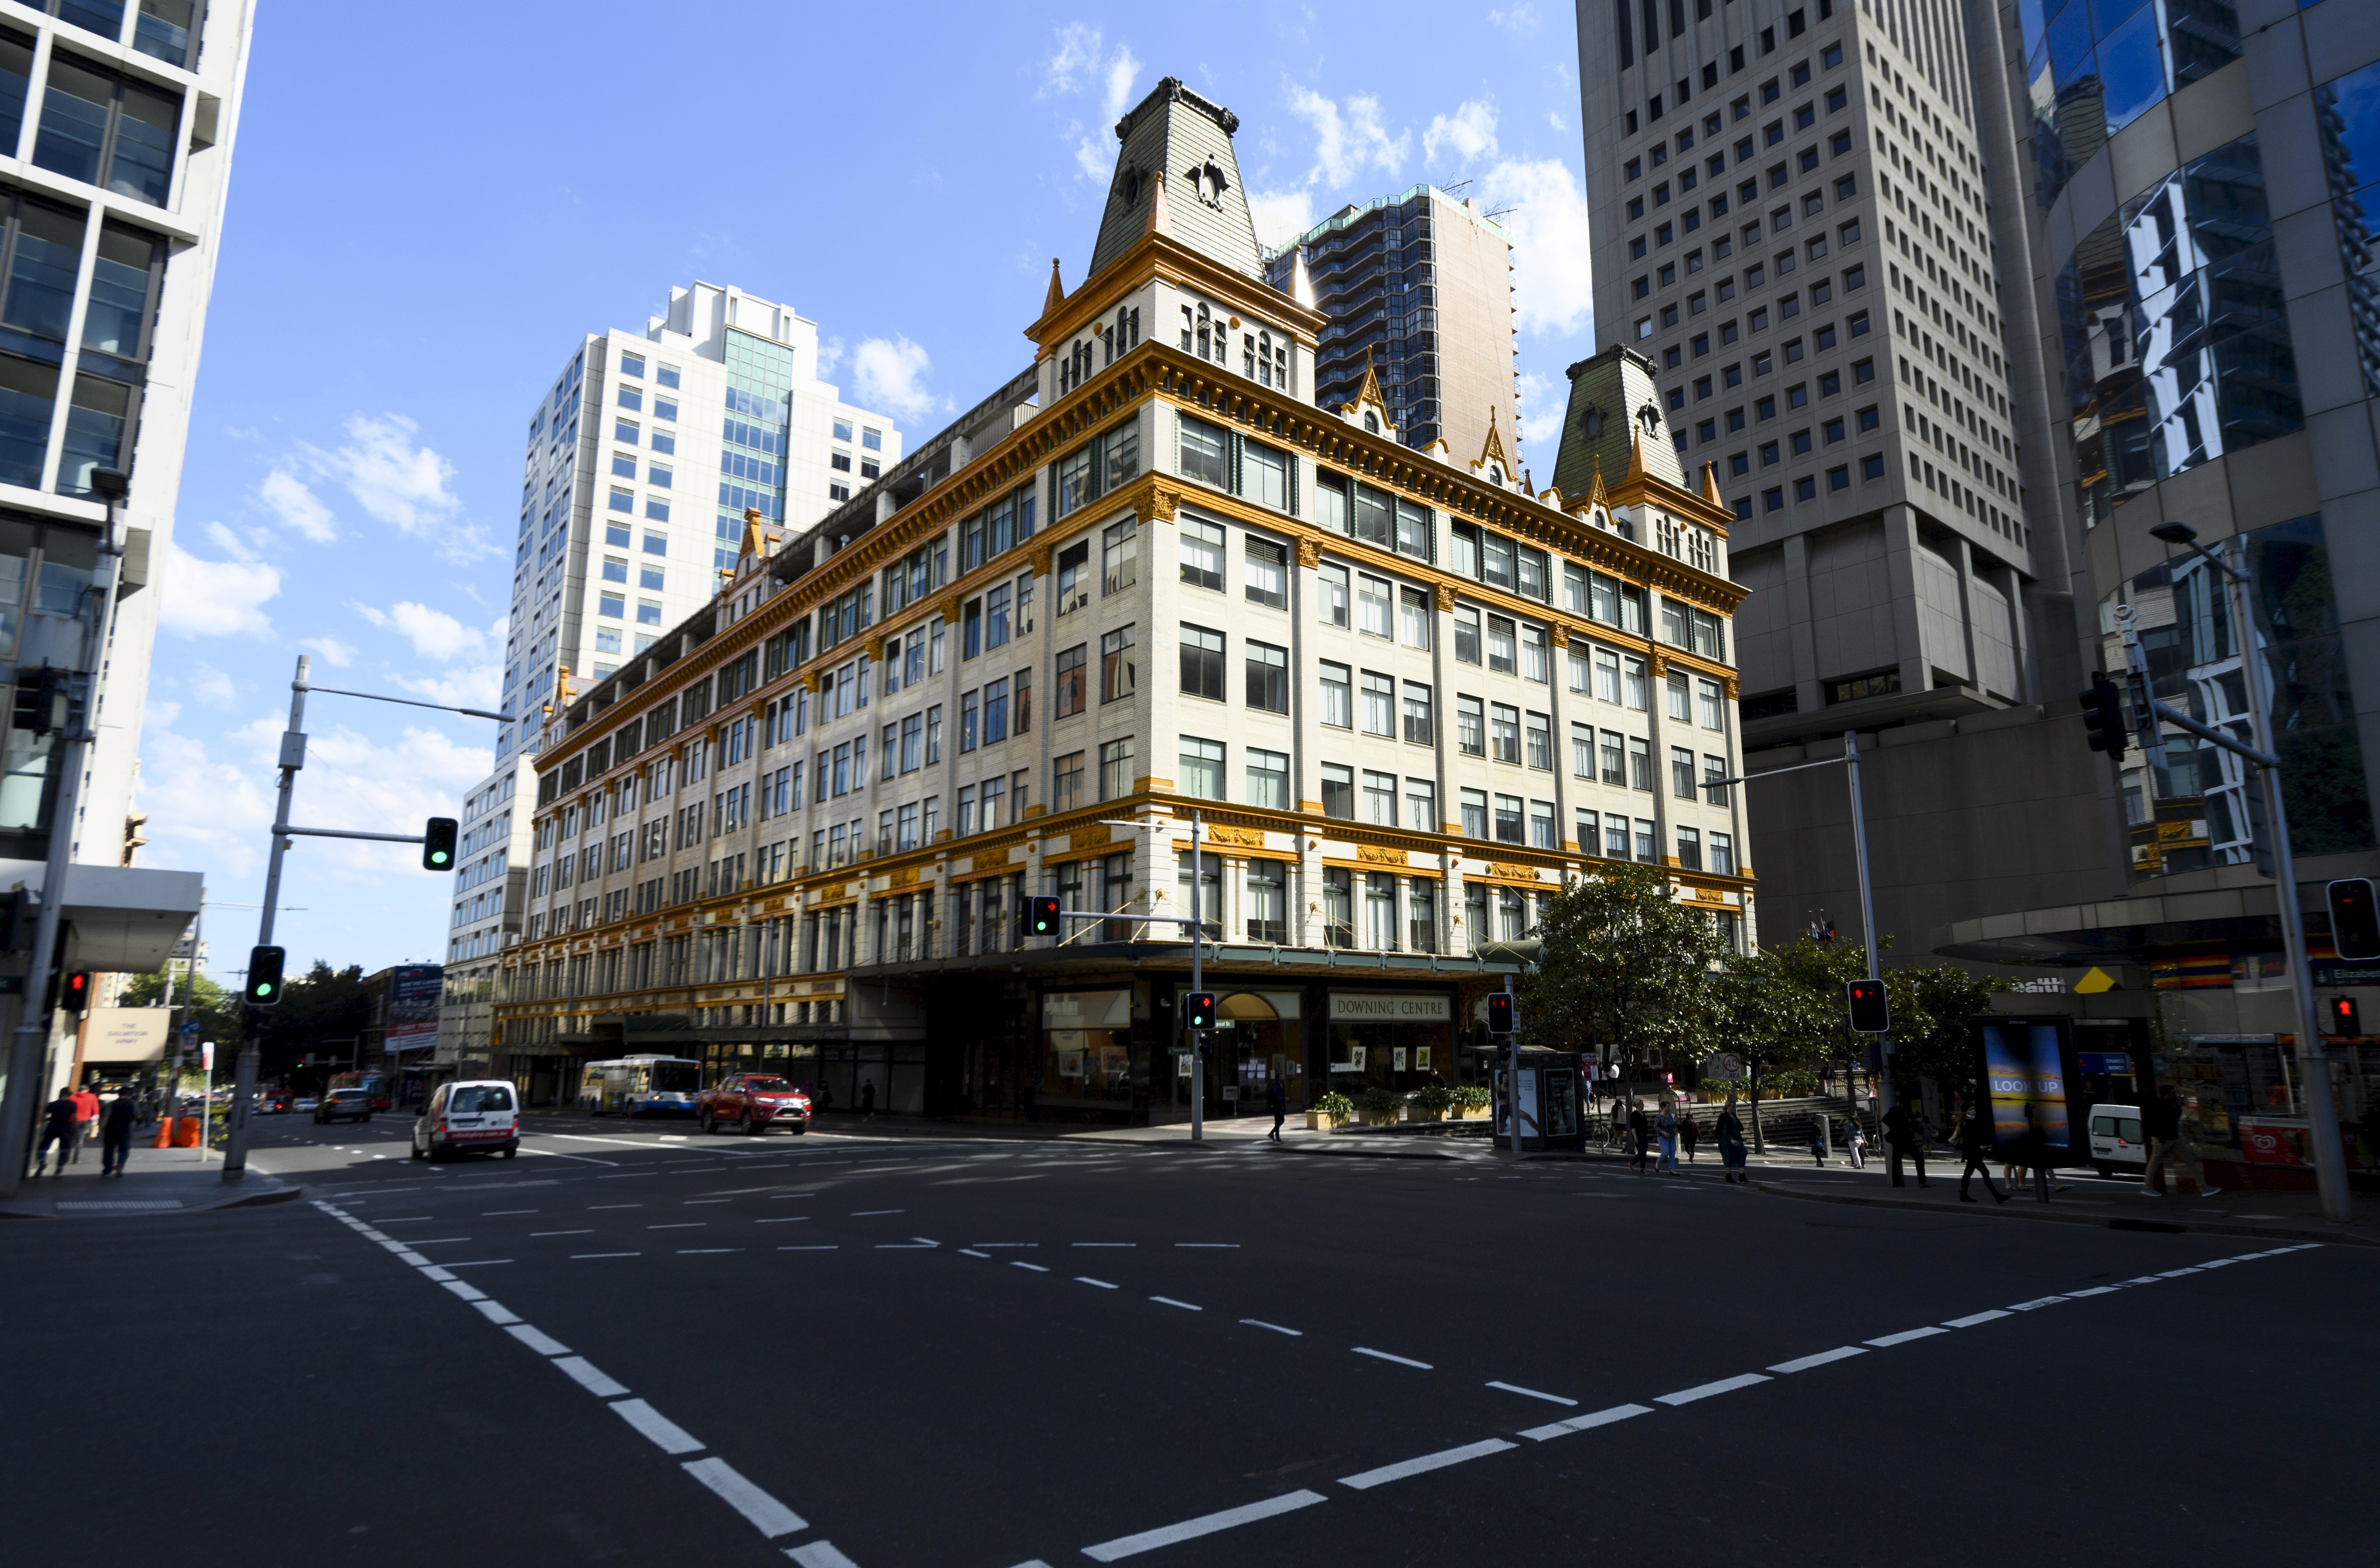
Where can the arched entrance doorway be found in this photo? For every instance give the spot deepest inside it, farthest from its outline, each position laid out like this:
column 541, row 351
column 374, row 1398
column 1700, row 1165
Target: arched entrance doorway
column 1258, row 1038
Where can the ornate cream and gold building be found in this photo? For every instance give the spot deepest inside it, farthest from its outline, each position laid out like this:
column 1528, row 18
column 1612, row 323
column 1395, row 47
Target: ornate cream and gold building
column 1407, row 695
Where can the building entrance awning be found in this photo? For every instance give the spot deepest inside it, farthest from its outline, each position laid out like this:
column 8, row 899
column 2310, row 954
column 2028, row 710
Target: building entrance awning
column 2077, row 935
column 123, row 919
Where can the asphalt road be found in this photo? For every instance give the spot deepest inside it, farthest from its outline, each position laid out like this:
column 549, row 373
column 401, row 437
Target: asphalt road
column 640, row 1345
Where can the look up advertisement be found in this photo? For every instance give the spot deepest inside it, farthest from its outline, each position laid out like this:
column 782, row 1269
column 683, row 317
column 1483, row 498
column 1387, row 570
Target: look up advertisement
column 2027, row 1062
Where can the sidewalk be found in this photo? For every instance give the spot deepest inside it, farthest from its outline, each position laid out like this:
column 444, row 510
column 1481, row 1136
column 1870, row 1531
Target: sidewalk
column 158, row 1181
column 2281, row 1216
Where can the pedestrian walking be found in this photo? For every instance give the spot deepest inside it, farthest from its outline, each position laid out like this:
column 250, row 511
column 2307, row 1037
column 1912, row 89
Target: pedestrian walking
column 1731, row 1140
column 1689, row 1134
column 1975, row 1147
column 1640, row 1135
column 867, row 1100
column 1903, row 1140
column 1818, row 1141
column 1275, row 1102
column 1665, row 1127
column 58, row 1124
column 2168, row 1149
column 1855, row 1144
column 86, row 1119
column 115, row 1133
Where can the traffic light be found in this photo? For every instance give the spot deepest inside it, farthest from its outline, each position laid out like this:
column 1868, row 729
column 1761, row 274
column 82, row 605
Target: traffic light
column 74, row 993
column 2342, row 1018
column 2103, row 717
column 1041, row 916
column 2354, row 918
column 1502, row 1017
column 42, row 700
column 264, row 975
column 1869, row 1015
column 438, row 845
column 1199, row 1010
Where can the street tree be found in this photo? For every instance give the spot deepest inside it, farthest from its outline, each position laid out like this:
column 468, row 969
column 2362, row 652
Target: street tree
column 1627, row 970
column 1931, row 1004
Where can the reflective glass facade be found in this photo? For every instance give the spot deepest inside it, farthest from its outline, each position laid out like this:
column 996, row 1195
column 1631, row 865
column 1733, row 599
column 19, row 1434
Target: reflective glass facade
column 2092, row 66
column 2347, row 116
column 2176, row 341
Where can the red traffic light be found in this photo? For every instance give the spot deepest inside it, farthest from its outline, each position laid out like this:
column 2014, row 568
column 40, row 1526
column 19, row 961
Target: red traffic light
column 2342, row 1016
column 1503, row 1018
column 2355, row 918
column 74, row 991
column 1199, row 1010
column 1041, row 916
column 1869, row 1015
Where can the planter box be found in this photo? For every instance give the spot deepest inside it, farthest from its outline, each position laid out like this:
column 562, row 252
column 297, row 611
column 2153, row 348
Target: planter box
column 1468, row 1113
column 1429, row 1112
column 1383, row 1119
column 1316, row 1122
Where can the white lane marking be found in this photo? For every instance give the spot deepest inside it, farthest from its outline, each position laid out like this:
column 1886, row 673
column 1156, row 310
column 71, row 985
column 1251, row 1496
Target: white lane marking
column 492, row 1213
column 468, row 1293
column 576, row 1256
column 1365, row 1480
column 1169, row 1301
column 1887, row 1341
column 680, row 1225
column 407, row 1254
column 768, row 1516
column 1803, row 1363
column 2038, row 1301
column 476, row 1262
column 558, row 1154
column 1218, row 1246
column 592, row 1208
column 435, row 1241
column 819, row 1554
column 703, row 1251
column 1008, row 1244
column 1276, row 1328
column 534, row 1234
column 537, row 1341
column 431, row 1271
column 496, row 1312
column 828, row 1248
column 783, row 1220
column 1087, row 1280
column 692, row 1201
column 590, row 1137
column 1534, row 1393
column 2095, row 1290
column 1204, row 1524
column 1106, row 1244
column 1704, row 1391
column 664, row 1433
column 1020, row 1263
column 589, row 1376
column 1586, row 1423
column 1973, row 1318
column 2177, row 1274
column 1400, row 1360
column 969, row 1252
column 416, row 1219
column 864, row 1213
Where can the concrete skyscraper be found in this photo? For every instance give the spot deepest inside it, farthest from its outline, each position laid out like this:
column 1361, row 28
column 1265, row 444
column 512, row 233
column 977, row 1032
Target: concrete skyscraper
column 1417, row 288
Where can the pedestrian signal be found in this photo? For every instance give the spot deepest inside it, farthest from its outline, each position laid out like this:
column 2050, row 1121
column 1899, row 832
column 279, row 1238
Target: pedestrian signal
column 74, row 993
column 2103, row 718
column 1503, row 1019
column 1199, row 1010
column 1869, row 1015
column 264, row 975
column 2342, row 1018
column 438, row 845
column 2354, row 918
column 1041, row 916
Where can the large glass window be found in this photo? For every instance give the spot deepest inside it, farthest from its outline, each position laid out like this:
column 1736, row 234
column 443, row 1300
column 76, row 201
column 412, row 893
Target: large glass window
column 1267, row 778
column 1202, row 768
column 16, row 82
column 1267, row 676
column 166, row 29
column 2177, row 343
column 99, row 429
column 2347, row 117
column 28, row 392
column 43, row 251
column 1202, row 662
column 2095, row 69
column 1267, row 901
column 104, row 129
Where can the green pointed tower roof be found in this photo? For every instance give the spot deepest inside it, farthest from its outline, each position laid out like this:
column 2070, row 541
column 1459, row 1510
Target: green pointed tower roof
column 1611, row 396
column 1176, row 133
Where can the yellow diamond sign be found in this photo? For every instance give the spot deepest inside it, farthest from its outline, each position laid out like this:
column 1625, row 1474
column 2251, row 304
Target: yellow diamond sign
column 2098, row 981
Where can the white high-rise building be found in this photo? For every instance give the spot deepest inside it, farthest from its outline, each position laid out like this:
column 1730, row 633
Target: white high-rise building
column 116, row 138
column 644, row 454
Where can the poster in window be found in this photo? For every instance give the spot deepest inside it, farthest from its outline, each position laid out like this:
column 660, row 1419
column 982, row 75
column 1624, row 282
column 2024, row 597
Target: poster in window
column 2025, row 1065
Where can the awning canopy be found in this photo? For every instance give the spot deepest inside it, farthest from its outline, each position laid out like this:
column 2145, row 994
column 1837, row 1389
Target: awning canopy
column 124, row 919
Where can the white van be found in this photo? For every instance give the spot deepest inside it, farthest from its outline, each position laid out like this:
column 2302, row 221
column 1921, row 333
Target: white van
column 471, row 1115
column 2118, row 1148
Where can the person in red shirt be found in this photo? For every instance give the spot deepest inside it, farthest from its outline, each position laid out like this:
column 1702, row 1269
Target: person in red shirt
column 86, row 1119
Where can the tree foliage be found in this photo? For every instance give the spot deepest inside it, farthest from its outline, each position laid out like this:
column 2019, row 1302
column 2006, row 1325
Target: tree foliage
column 1627, row 970
column 214, row 1009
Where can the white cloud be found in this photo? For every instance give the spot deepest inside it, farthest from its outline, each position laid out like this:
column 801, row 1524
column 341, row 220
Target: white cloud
column 830, row 356
column 1281, row 215
column 1347, row 142
column 1520, row 19
column 289, row 499
column 211, row 686
column 1095, row 158
column 1470, row 131
column 890, row 373
column 1080, row 61
column 204, row 598
column 1554, row 119
column 1541, row 399
column 332, row 650
column 475, row 686
column 1545, row 212
column 1121, row 68
column 434, row 633
column 396, row 480
column 1075, row 56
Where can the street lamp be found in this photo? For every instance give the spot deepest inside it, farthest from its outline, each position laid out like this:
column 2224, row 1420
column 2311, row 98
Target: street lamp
column 2329, row 1154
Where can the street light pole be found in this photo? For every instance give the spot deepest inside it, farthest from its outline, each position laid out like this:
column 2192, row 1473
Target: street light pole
column 243, row 1084
column 1198, row 984
column 1868, row 906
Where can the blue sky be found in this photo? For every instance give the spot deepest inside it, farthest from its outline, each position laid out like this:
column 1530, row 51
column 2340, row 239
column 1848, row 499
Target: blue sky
column 425, row 216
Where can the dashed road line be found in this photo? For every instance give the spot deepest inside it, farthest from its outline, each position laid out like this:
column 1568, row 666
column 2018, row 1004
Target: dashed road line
column 1704, row 1391
column 1365, row 1480
column 1276, row 1328
column 1824, row 1357
column 1087, row 1280
column 1400, row 1360
column 1169, row 1301
column 1532, row 1393
column 657, row 1428
column 1204, row 1524
column 767, row 1515
column 1905, row 1336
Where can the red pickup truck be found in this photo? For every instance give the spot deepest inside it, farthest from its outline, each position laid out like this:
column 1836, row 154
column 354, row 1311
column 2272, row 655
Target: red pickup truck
column 752, row 1102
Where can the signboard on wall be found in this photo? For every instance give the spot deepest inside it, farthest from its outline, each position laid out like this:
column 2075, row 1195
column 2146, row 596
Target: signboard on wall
column 2025, row 1065
column 414, row 994
column 1388, row 1007
column 127, row 1034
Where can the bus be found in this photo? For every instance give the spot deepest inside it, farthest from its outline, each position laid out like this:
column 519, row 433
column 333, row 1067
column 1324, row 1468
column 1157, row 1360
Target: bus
column 640, row 1086
column 373, row 1081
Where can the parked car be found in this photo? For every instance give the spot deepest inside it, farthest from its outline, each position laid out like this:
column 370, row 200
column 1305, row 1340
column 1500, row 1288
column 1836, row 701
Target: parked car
column 344, row 1105
column 304, row 1103
column 753, row 1103
column 469, row 1116
column 2116, row 1147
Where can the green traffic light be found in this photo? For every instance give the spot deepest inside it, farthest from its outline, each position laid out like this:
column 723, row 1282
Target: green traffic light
column 265, row 990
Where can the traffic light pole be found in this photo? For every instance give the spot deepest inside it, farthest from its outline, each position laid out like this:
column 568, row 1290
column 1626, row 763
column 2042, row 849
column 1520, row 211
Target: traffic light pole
column 1868, row 911
column 293, row 757
column 1198, row 984
column 19, row 1105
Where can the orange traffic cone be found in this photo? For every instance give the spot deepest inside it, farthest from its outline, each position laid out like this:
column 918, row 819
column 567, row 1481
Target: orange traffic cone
column 165, row 1139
